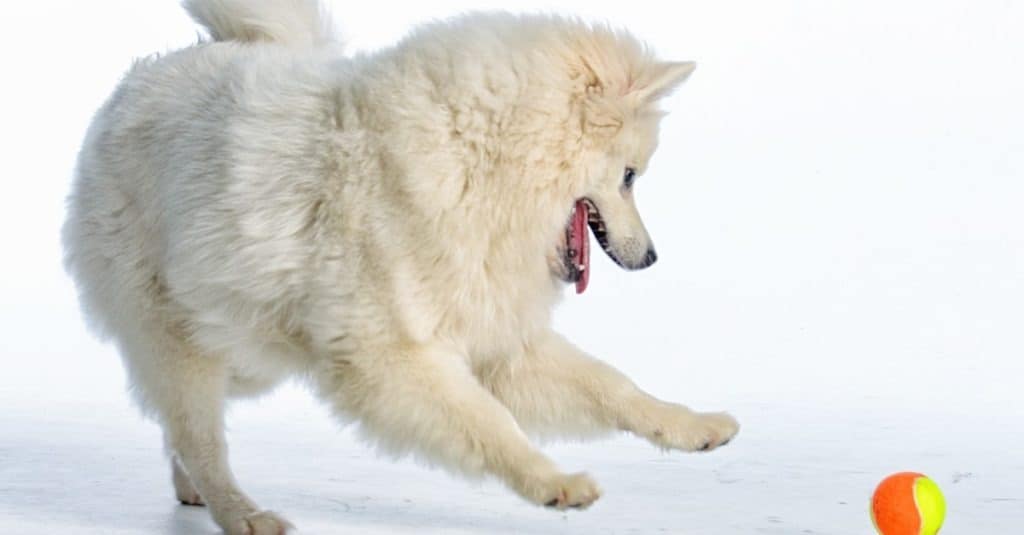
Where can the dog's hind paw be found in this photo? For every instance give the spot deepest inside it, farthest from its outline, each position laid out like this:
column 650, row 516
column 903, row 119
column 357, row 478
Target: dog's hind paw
column 184, row 490
column 261, row 523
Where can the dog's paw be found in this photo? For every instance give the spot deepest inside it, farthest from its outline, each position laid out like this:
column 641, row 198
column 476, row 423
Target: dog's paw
column 189, row 497
column 563, row 491
column 694, row 431
column 260, row 523
column 184, row 490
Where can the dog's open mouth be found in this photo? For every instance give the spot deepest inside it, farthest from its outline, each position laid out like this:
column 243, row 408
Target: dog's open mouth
column 577, row 242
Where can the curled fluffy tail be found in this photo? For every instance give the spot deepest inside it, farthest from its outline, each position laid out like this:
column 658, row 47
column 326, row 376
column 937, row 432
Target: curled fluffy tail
column 301, row 23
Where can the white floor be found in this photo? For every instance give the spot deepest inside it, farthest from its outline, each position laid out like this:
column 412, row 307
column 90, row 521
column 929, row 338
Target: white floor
column 96, row 468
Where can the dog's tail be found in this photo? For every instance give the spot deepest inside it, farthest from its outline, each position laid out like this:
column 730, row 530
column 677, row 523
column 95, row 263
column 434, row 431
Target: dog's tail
column 299, row 23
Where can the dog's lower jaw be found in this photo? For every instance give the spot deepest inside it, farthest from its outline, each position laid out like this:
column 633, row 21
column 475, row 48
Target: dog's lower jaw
column 560, row 270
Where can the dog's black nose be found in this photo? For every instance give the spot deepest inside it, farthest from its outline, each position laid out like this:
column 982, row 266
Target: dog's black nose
column 650, row 258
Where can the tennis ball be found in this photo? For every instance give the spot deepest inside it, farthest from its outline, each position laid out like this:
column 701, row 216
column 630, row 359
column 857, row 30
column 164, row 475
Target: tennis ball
column 907, row 503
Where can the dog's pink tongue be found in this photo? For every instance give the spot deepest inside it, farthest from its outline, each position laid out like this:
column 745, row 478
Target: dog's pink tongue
column 580, row 242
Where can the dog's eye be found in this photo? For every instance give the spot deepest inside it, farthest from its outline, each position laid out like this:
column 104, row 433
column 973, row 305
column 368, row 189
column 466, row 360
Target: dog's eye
column 628, row 177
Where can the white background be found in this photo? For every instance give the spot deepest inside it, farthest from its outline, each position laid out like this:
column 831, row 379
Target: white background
column 837, row 205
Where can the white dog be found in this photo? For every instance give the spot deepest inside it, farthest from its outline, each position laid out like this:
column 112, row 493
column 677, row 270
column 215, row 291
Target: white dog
column 394, row 228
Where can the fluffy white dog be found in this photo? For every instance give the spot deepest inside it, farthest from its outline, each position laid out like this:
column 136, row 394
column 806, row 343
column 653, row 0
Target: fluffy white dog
column 394, row 228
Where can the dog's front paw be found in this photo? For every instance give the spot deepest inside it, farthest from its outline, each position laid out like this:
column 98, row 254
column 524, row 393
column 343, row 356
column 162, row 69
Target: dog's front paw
column 694, row 431
column 562, row 491
column 259, row 523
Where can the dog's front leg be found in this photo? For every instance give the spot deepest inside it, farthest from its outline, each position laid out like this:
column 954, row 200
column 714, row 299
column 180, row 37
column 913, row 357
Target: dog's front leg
column 425, row 401
column 556, row 389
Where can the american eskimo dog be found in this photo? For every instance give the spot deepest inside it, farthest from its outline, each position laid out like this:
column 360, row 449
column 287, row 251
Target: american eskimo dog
column 394, row 228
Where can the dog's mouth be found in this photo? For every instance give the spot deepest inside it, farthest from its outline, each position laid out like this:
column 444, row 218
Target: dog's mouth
column 576, row 253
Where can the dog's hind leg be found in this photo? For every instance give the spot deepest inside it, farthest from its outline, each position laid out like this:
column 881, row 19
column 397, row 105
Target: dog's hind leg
column 557, row 390
column 185, row 390
column 425, row 401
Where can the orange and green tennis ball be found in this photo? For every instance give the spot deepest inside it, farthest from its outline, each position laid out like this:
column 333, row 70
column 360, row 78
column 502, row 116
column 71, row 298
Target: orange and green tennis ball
column 908, row 503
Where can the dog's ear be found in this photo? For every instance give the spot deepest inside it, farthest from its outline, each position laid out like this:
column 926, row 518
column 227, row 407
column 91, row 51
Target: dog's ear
column 603, row 117
column 660, row 80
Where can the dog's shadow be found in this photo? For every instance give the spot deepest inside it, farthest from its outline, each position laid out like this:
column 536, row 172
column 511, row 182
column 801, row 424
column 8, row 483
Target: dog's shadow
column 189, row 520
column 93, row 488
column 376, row 517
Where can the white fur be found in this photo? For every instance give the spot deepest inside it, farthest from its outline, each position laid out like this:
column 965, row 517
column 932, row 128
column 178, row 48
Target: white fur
column 286, row 22
column 387, row 227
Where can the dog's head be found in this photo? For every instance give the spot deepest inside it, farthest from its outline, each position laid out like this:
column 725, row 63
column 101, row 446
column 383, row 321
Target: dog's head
column 546, row 141
column 619, row 119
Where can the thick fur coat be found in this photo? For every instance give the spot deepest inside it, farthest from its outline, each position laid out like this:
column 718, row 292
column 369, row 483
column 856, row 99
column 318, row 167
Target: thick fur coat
column 389, row 227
